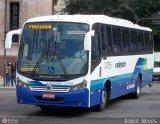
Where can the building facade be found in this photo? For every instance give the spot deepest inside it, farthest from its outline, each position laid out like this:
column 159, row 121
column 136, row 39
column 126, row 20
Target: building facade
column 58, row 6
column 18, row 11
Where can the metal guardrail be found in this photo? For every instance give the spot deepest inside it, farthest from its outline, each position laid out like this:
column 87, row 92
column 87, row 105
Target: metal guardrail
column 138, row 20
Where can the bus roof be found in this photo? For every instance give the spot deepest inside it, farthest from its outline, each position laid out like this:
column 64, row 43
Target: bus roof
column 90, row 19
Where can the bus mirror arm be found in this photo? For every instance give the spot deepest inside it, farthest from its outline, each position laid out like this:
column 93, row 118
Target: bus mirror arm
column 87, row 40
column 9, row 35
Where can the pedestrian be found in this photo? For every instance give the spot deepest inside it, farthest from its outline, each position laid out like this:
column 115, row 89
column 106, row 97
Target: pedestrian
column 8, row 74
column 13, row 72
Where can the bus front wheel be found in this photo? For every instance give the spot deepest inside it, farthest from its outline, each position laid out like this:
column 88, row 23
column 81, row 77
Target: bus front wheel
column 104, row 100
column 45, row 108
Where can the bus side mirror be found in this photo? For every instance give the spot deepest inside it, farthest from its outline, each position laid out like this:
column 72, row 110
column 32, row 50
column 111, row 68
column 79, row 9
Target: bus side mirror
column 9, row 35
column 87, row 40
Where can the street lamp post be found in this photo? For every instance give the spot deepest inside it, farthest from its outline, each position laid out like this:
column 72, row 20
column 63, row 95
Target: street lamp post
column 5, row 31
column 138, row 20
column 52, row 7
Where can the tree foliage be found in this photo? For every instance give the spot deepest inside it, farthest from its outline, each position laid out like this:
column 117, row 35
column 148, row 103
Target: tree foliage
column 126, row 9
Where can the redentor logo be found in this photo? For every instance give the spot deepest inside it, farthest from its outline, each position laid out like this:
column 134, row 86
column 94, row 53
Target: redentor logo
column 4, row 121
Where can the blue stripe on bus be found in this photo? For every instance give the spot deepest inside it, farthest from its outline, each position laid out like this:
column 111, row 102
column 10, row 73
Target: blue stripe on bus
column 117, row 90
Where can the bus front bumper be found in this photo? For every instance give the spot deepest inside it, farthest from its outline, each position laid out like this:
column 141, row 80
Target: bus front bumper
column 71, row 99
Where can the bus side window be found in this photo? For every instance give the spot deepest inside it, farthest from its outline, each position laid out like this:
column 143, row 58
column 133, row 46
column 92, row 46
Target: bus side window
column 103, row 39
column 146, row 37
column 119, row 40
column 133, row 34
column 115, row 44
column 140, row 42
column 96, row 47
column 149, row 45
column 150, row 42
column 125, row 40
column 108, row 40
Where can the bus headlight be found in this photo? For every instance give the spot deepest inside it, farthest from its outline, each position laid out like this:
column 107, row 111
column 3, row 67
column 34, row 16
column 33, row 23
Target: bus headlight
column 22, row 84
column 79, row 86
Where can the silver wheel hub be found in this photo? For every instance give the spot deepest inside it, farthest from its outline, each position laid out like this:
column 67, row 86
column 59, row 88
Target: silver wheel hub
column 138, row 89
column 103, row 97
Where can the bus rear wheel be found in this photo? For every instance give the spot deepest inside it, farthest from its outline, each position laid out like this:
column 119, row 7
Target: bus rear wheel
column 138, row 88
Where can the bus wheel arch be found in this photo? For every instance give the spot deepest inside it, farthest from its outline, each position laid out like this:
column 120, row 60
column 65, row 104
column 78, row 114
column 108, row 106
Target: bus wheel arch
column 108, row 87
column 141, row 77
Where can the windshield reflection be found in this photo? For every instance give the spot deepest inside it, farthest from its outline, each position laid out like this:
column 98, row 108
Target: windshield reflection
column 53, row 49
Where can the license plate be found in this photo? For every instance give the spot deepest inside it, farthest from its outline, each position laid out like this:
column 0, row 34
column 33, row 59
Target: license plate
column 48, row 96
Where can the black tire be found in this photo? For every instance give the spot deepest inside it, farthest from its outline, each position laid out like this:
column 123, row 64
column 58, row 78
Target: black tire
column 44, row 108
column 104, row 100
column 138, row 88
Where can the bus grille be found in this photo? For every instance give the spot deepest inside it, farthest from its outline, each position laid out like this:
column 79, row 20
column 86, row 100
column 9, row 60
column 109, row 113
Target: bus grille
column 51, row 89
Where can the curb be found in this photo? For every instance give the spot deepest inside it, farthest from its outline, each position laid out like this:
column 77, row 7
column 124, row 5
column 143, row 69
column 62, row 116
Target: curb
column 12, row 88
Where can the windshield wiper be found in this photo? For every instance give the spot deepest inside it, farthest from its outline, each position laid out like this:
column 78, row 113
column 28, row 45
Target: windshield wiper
column 62, row 65
column 37, row 64
column 59, row 57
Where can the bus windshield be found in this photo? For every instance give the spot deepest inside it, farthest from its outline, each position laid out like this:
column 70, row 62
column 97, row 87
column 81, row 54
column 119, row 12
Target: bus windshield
column 53, row 48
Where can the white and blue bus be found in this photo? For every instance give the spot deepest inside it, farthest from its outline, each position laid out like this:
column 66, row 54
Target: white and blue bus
column 81, row 60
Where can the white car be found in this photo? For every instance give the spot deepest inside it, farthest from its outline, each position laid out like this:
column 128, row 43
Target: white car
column 156, row 70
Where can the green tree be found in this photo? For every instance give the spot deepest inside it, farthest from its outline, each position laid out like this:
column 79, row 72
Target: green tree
column 126, row 9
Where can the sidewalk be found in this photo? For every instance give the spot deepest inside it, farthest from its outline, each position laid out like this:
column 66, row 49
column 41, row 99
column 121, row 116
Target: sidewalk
column 1, row 85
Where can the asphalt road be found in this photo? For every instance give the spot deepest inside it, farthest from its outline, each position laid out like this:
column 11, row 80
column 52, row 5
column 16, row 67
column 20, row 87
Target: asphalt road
column 145, row 110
